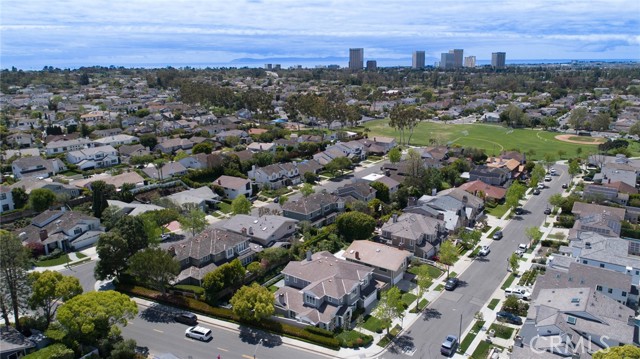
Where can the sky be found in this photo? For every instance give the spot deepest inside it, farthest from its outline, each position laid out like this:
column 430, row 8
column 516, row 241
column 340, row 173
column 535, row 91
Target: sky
column 150, row 33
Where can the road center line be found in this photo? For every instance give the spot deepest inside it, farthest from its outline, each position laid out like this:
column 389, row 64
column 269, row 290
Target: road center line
column 223, row 349
column 157, row 330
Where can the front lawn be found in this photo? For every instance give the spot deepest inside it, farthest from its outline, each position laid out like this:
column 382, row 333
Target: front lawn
column 354, row 339
column 439, row 287
column 408, row 298
column 373, row 324
column 224, row 207
column 482, row 350
column 502, row 331
column 423, row 303
column 63, row 259
column 464, row 345
column 498, row 211
column 81, row 255
column 434, row 272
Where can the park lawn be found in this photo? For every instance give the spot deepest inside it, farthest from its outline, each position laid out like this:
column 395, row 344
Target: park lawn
column 493, row 303
column 492, row 138
column 63, row 259
column 408, row 298
column 373, row 324
column 508, row 282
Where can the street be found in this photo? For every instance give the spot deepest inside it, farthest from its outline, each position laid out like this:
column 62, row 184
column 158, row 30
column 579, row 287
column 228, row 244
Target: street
column 155, row 328
column 454, row 311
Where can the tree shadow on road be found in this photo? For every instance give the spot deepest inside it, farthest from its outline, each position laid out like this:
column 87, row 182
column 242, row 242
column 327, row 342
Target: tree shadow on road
column 431, row 314
column 402, row 344
column 157, row 314
column 254, row 336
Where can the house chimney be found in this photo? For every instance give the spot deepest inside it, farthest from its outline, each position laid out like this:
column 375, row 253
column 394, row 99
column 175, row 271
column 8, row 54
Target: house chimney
column 219, row 183
column 395, row 218
column 357, row 255
column 387, row 173
column 243, row 231
column 434, row 191
column 251, row 231
column 411, row 201
column 43, row 234
column 309, row 255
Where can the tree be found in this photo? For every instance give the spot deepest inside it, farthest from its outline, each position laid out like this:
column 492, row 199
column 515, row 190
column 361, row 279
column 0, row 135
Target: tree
column 20, row 197
column 203, row 147
column 232, row 141
column 113, row 251
column 155, row 267
column 625, row 352
column 124, row 349
column 263, row 158
column 49, row 289
column 53, row 351
column 448, row 254
column 574, row 167
column 101, row 192
column 423, row 279
column 194, row 220
column 514, row 263
column 253, row 303
column 537, row 175
column 90, row 317
column 390, row 307
column 533, row 234
column 556, row 200
column 180, row 155
column 578, row 117
column 132, row 229
column 338, row 164
column 382, row 191
column 549, row 160
column 149, row 141
column 310, row 177
column 141, row 160
column 228, row 275
column 41, row 199
column 395, row 155
column 241, row 205
column 355, row 225
column 14, row 283
column 513, row 195
column 307, row 190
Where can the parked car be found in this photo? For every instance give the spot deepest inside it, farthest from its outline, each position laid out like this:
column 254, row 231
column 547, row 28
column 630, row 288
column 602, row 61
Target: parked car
column 522, row 249
column 186, row 318
column 564, row 185
column 547, row 178
column 451, row 283
column 484, row 250
column 518, row 292
column 509, row 318
column 199, row 333
column 449, row 345
column 497, row 235
column 536, row 191
column 547, row 210
column 519, row 211
column 541, row 185
column 552, row 170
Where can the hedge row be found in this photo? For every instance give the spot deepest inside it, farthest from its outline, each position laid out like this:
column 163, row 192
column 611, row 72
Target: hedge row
column 227, row 314
column 319, row 331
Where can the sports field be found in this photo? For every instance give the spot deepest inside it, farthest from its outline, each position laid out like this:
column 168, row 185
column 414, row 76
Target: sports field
column 492, row 138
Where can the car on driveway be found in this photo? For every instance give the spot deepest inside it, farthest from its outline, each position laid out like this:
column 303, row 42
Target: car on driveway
column 509, row 318
column 449, row 345
column 522, row 249
column 451, row 283
column 199, row 333
column 484, row 250
column 497, row 235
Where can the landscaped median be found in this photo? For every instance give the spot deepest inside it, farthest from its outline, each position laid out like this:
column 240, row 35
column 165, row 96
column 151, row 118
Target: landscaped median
column 310, row 335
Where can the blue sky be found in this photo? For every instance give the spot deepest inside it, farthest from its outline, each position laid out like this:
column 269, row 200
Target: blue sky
column 72, row 33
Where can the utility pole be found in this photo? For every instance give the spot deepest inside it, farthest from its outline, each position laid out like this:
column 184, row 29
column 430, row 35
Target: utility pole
column 460, row 330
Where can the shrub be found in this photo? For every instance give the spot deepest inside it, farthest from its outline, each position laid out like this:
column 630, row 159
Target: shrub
column 319, row 331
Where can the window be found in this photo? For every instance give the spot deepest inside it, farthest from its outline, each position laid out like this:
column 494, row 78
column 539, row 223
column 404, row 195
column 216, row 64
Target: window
column 601, row 265
column 624, row 294
column 599, row 288
column 571, row 320
column 3, row 196
column 77, row 231
column 584, row 261
column 229, row 252
column 310, row 299
column 634, row 248
column 610, row 290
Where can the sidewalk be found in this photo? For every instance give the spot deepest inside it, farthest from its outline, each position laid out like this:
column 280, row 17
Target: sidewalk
column 90, row 254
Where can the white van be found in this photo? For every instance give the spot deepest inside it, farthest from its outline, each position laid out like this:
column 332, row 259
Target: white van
column 520, row 293
column 199, row 333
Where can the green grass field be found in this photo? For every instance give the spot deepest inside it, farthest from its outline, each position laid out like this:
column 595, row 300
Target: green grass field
column 492, row 138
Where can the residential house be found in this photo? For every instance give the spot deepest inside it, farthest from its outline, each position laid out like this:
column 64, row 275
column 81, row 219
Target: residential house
column 21, row 140
column 483, row 190
column 13, row 344
column 62, row 229
column 353, row 150
column 234, row 186
column 454, row 206
column 389, row 263
column 240, row 134
column 14, row 154
column 320, row 208
column 567, row 321
column 6, row 199
column 116, row 140
column 202, row 161
column 206, row 251
column 387, row 143
column 275, row 176
column 416, row 233
column 202, row 197
column 256, row 147
column 495, row 176
column 36, row 167
column 604, row 220
column 617, row 172
column 311, row 166
column 106, row 132
column 264, row 230
column 323, row 290
column 126, row 152
column 356, row 190
column 168, row 170
column 614, row 285
column 28, row 184
column 64, row 146
column 172, row 145
column 117, row 181
column 133, row 208
column 95, row 157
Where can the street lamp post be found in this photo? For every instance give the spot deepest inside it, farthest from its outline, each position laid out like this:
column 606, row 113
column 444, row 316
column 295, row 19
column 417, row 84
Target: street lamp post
column 256, row 350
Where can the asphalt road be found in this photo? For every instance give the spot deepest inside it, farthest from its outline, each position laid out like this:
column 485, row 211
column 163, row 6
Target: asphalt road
column 84, row 273
column 454, row 311
column 154, row 328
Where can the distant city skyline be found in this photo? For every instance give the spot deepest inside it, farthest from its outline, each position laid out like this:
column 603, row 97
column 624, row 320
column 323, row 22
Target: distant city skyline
column 75, row 33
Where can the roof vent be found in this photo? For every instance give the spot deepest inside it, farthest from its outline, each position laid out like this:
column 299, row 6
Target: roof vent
column 575, row 300
column 378, row 250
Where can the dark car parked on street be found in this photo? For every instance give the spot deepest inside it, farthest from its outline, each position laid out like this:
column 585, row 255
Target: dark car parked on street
column 451, row 283
column 186, row 318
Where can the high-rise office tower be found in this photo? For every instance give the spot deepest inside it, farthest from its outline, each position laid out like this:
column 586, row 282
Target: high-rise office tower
column 457, row 57
column 372, row 65
column 356, row 59
column 418, row 60
column 446, row 60
column 498, row 59
column 470, row 61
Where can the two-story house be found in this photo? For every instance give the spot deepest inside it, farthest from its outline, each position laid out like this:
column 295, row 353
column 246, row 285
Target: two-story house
column 356, row 190
column 275, row 176
column 495, row 176
column 202, row 197
column 116, row 140
column 95, row 157
column 127, row 152
column 172, row 145
column 37, row 167
column 207, row 250
column 389, row 263
column 62, row 229
column 264, row 230
column 234, row 186
column 415, row 233
column 323, row 290
column 168, row 170
column 29, row 184
column 320, row 208
column 64, row 146
column 6, row 199
column 604, row 220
